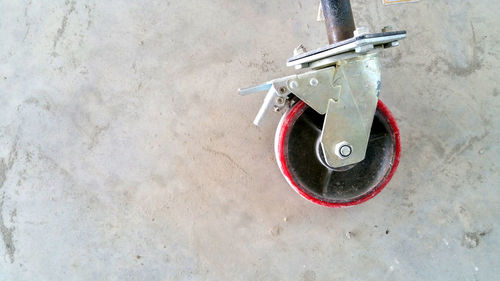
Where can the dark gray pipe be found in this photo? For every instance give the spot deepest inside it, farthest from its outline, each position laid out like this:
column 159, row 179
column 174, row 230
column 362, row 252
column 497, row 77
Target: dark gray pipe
column 339, row 20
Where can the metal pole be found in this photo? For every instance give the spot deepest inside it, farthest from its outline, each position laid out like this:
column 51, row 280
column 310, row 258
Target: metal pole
column 339, row 20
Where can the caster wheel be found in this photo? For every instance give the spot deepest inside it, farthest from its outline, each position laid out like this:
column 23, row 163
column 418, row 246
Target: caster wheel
column 300, row 159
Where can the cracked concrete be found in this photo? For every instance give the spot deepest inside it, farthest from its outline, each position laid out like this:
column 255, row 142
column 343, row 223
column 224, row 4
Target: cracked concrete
column 64, row 23
column 7, row 232
column 227, row 157
column 126, row 153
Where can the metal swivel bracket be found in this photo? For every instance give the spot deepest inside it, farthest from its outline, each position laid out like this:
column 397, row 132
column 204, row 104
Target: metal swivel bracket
column 344, row 84
column 347, row 93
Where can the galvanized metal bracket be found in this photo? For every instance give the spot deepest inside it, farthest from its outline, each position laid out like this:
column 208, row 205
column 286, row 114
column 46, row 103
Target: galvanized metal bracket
column 347, row 93
column 363, row 42
column 314, row 87
column 349, row 119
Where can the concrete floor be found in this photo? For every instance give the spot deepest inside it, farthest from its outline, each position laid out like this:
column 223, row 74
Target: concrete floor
column 126, row 154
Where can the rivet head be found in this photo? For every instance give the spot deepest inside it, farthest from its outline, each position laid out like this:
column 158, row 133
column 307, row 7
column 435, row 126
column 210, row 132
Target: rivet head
column 314, row 82
column 294, row 85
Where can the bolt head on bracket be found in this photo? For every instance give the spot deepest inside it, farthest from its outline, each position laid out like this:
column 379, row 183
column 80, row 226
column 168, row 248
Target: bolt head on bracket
column 343, row 149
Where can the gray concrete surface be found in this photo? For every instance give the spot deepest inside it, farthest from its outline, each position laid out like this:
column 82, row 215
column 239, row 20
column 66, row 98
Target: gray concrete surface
column 125, row 153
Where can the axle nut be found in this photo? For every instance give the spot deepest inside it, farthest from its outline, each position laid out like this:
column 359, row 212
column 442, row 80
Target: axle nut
column 343, row 150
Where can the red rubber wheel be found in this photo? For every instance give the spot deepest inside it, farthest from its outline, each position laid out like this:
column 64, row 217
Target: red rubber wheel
column 301, row 162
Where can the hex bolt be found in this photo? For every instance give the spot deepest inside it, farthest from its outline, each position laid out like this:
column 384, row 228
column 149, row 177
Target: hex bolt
column 362, row 30
column 282, row 90
column 345, row 150
column 294, row 85
column 280, row 100
column 392, row 44
column 299, row 50
column 314, row 82
column 387, row 28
